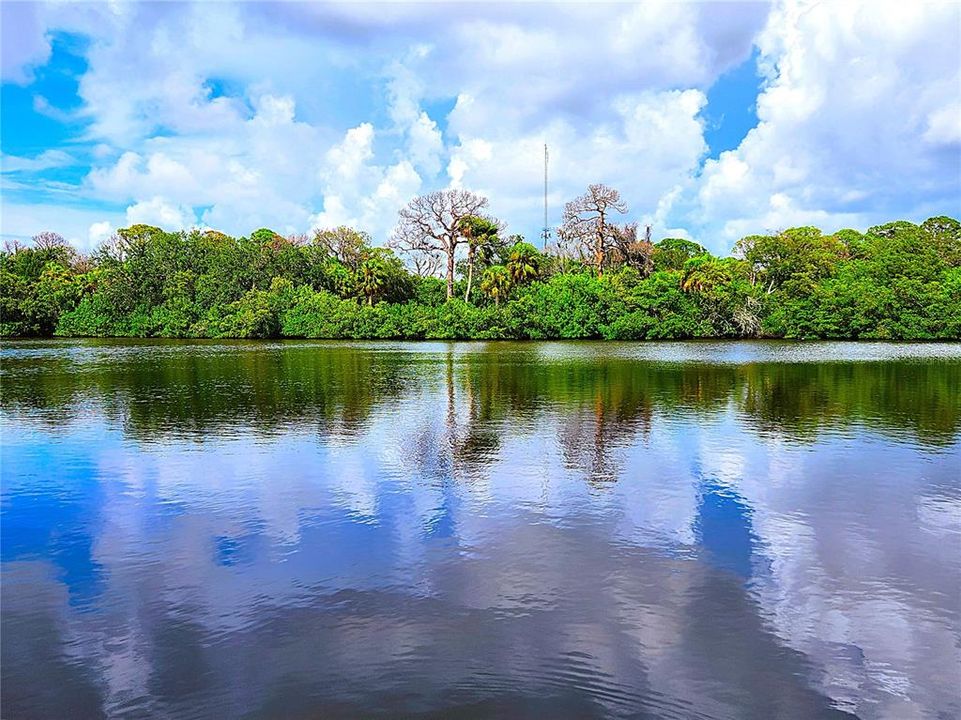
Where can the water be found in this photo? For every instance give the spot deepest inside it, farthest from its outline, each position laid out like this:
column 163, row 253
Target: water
column 686, row 530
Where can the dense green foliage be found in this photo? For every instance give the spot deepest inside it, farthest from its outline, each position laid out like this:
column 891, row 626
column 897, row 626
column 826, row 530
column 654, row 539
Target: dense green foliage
column 896, row 281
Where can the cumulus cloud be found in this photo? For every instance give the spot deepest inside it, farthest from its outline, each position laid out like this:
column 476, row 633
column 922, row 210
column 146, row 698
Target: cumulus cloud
column 360, row 192
column 24, row 42
column 944, row 124
column 259, row 171
column 21, row 221
column 652, row 144
column 98, row 232
column 859, row 122
column 297, row 115
column 160, row 212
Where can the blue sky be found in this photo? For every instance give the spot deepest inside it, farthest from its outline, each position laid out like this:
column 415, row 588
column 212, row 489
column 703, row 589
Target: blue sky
column 731, row 107
column 713, row 120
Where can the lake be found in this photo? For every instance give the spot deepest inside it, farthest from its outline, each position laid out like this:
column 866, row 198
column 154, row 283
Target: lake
column 298, row 529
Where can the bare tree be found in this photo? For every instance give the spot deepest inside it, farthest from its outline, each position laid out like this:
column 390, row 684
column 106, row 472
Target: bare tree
column 587, row 224
column 47, row 240
column 54, row 247
column 626, row 249
column 111, row 249
column 431, row 225
column 426, row 264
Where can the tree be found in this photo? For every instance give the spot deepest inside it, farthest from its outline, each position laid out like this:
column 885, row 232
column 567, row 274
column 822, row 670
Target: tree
column 267, row 237
column 672, row 253
column 628, row 250
column 426, row 265
column 47, row 240
column 215, row 236
column 29, row 262
column 705, row 272
column 496, row 283
column 344, row 244
column 801, row 256
column 945, row 234
column 431, row 225
column 380, row 272
column 899, row 280
column 586, row 222
column 481, row 235
column 523, row 263
column 128, row 242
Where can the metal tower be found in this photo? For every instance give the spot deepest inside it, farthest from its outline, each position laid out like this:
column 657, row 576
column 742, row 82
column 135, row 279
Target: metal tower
column 546, row 232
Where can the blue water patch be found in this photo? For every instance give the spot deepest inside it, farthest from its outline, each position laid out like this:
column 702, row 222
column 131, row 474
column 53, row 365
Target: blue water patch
column 724, row 528
column 52, row 510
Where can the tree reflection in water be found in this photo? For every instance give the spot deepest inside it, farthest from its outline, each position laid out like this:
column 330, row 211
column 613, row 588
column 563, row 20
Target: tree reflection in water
column 491, row 529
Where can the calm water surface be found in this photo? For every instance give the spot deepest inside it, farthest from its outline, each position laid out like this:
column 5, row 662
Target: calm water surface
column 693, row 530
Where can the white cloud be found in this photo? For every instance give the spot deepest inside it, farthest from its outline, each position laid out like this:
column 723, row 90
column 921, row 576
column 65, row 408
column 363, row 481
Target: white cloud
column 859, row 122
column 299, row 114
column 161, row 212
column 425, row 144
column 347, row 160
column 98, row 232
column 653, row 144
column 944, row 124
column 257, row 172
column 241, row 123
column 21, row 221
column 358, row 191
column 44, row 161
column 24, row 41
column 44, row 107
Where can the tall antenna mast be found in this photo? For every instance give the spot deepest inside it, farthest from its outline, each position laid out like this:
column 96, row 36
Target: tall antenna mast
column 546, row 233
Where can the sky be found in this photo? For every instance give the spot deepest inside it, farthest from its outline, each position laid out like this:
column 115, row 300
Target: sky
column 714, row 120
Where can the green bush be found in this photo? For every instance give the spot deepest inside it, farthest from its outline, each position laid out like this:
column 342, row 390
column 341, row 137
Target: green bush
column 896, row 281
column 92, row 317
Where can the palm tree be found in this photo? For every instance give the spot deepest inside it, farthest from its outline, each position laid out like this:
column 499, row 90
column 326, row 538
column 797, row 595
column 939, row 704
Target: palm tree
column 496, row 283
column 523, row 264
column 481, row 234
column 703, row 273
column 373, row 275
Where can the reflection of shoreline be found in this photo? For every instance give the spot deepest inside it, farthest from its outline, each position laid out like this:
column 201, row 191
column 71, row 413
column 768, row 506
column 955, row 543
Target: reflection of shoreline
column 457, row 507
column 337, row 388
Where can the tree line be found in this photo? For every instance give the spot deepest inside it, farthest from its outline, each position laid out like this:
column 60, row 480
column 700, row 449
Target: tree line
column 451, row 271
